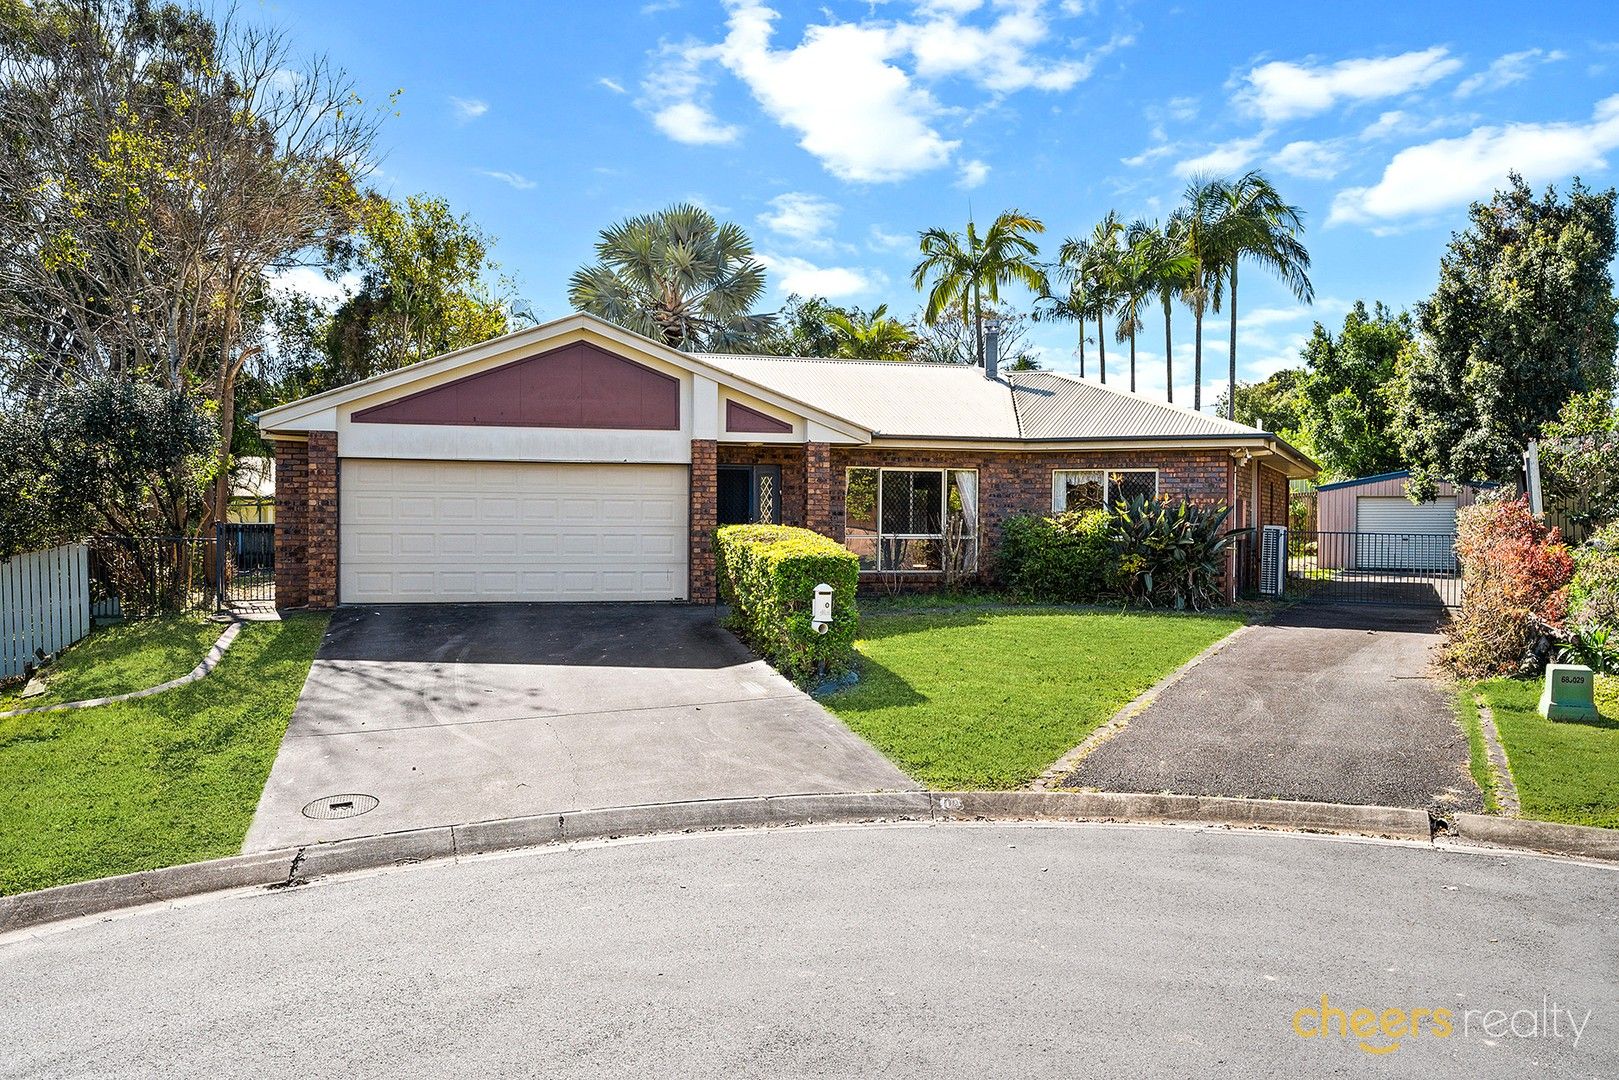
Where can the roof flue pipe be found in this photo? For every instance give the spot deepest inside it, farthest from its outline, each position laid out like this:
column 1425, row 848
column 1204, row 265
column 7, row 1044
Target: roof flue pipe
column 992, row 348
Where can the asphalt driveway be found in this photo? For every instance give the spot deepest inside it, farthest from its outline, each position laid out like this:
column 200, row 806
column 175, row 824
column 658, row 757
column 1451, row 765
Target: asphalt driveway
column 457, row 713
column 1328, row 703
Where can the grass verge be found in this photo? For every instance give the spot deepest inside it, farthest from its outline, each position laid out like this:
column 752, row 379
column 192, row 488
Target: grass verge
column 122, row 658
column 163, row 780
column 1565, row 770
column 1478, row 751
column 991, row 699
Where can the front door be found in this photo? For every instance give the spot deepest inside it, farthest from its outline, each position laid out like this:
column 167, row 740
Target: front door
column 749, row 495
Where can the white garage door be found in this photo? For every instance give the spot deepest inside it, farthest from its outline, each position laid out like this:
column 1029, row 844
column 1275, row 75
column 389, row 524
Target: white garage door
column 468, row 532
column 1397, row 534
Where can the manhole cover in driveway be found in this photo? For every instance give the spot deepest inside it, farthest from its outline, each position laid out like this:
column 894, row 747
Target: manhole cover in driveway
column 340, row 806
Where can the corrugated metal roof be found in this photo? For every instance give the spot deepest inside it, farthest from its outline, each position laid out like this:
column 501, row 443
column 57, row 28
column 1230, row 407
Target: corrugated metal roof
column 953, row 401
column 929, row 400
column 1055, row 406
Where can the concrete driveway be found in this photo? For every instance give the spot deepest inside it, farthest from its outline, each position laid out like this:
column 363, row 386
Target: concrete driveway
column 1328, row 703
column 456, row 713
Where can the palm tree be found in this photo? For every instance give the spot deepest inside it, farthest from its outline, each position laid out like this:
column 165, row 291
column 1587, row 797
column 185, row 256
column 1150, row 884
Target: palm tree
column 966, row 271
column 1138, row 280
column 1254, row 223
column 1201, row 241
column 1170, row 268
column 678, row 276
column 861, row 335
column 1092, row 265
column 1075, row 307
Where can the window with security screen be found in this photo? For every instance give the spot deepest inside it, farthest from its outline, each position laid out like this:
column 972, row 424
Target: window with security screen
column 912, row 520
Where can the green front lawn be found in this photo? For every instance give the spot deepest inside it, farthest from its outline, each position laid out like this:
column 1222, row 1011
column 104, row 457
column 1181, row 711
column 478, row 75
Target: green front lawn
column 992, row 699
column 1565, row 770
column 120, row 658
column 140, row 784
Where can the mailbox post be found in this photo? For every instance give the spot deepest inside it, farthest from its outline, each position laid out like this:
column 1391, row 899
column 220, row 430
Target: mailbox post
column 821, row 608
column 1569, row 694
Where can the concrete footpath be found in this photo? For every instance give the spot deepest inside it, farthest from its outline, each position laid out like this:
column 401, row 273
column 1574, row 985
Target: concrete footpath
column 292, row 866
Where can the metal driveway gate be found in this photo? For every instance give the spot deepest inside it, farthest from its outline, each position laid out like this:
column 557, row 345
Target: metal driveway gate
column 1404, row 569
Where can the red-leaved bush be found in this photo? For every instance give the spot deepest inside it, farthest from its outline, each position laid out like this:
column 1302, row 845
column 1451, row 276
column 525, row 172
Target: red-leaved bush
column 1515, row 570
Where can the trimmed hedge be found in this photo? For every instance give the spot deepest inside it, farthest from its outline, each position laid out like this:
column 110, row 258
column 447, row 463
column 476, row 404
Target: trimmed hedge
column 768, row 574
column 1064, row 558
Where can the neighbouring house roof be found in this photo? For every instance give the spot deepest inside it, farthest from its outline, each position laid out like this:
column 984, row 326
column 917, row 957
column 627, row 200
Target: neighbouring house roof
column 253, row 479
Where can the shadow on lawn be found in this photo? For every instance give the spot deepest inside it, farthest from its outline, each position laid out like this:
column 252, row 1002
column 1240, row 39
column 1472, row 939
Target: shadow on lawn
column 879, row 687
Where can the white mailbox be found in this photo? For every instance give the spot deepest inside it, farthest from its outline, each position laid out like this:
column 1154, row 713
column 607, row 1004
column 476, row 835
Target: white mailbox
column 821, row 612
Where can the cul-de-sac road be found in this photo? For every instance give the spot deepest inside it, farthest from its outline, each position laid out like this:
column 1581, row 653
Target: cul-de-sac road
column 877, row 950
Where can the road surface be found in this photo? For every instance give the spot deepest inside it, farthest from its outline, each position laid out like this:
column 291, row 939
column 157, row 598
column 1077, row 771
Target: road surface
column 904, row 950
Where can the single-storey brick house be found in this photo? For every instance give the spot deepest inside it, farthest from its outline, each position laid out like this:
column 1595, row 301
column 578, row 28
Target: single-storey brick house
column 579, row 461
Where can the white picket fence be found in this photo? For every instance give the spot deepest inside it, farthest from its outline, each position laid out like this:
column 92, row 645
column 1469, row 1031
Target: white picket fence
column 44, row 603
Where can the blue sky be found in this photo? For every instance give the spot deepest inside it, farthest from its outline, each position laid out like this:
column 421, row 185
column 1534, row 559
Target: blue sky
column 834, row 132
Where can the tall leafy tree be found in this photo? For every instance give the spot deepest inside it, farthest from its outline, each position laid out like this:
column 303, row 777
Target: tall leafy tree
column 1091, row 265
column 800, row 328
column 157, row 165
column 964, row 272
column 678, row 276
column 1252, row 223
column 1347, row 412
column 426, row 286
column 1170, row 269
column 1522, row 319
column 1274, row 404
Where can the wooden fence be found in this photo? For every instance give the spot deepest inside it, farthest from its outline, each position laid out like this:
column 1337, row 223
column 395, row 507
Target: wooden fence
column 44, row 604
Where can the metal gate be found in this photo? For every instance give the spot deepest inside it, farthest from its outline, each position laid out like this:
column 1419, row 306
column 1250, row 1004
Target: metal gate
column 245, row 570
column 1401, row 569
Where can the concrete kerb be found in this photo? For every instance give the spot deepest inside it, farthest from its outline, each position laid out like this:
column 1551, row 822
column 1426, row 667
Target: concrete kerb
column 295, row 866
column 221, row 645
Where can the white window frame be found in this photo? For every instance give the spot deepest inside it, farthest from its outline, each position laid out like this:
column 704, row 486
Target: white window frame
column 944, row 513
column 1107, row 483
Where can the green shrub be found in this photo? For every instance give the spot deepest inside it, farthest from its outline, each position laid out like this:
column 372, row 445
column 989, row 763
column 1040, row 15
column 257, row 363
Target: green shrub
column 1171, row 554
column 1066, row 557
column 768, row 574
column 1593, row 594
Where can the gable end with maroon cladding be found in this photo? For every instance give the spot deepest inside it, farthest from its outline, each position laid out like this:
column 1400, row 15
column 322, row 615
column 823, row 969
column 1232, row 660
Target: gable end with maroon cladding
column 576, row 386
column 738, row 417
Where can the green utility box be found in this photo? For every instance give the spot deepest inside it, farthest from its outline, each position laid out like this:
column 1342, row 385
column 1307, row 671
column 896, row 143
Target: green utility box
column 1570, row 693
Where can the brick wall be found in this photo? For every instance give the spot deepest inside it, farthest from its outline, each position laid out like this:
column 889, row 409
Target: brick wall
column 291, row 524
column 818, row 488
column 704, row 512
column 322, row 519
column 1011, row 484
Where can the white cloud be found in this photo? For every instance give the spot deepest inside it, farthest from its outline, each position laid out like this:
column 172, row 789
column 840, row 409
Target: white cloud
column 1225, row 158
column 516, row 180
column 468, row 109
column 971, row 174
column 658, row 6
column 1506, row 70
column 613, row 85
column 1448, row 172
column 857, row 93
column 310, row 281
column 1282, row 90
column 1182, row 108
column 881, row 240
column 1000, row 56
column 1150, row 154
column 1312, row 160
column 800, row 216
column 1397, row 122
column 861, row 115
column 795, row 275
column 676, row 93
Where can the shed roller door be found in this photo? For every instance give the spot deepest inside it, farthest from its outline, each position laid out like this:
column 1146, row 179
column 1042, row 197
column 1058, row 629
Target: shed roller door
column 1396, row 534
column 472, row 532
